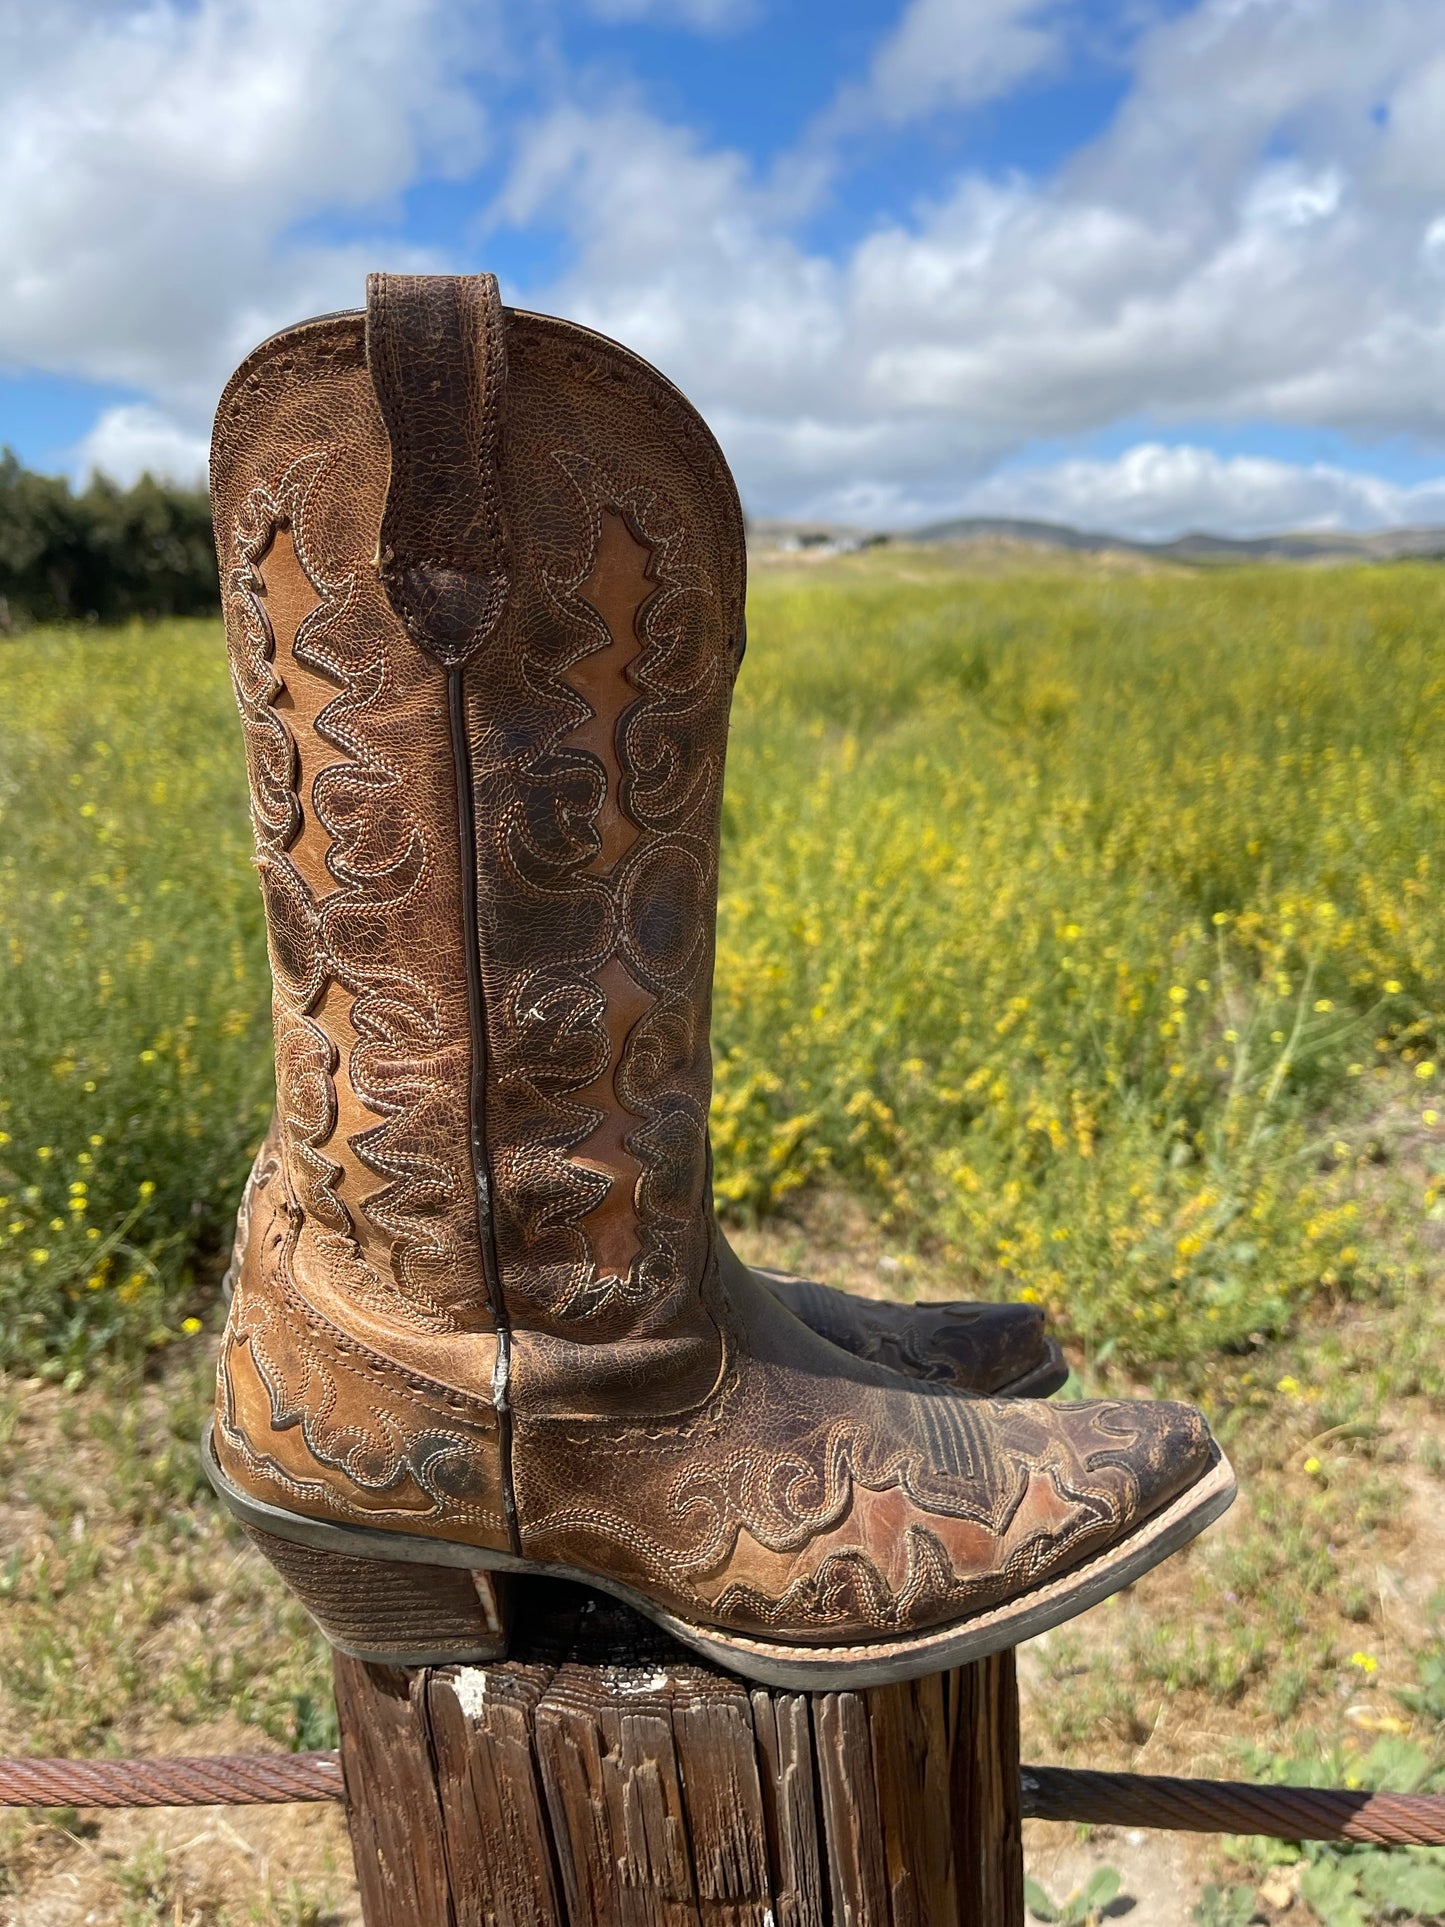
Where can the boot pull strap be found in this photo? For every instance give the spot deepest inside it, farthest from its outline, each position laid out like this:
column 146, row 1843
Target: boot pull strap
column 437, row 356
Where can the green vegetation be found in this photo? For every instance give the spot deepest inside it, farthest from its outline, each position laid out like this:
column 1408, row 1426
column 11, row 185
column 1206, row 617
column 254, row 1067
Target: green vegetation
column 1225, row 1907
column 133, row 1621
column 1081, row 1909
column 104, row 555
column 1349, row 1886
column 1079, row 931
column 133, row 986
column 1082, row 926
column 1066, row 917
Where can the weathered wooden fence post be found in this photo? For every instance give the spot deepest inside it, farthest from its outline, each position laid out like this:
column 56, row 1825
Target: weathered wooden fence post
column 604, row 1777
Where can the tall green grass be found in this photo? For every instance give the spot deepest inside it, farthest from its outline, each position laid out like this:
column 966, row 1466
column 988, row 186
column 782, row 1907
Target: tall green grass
column 1072, row 921
column 134, row 995
column 1069, row 916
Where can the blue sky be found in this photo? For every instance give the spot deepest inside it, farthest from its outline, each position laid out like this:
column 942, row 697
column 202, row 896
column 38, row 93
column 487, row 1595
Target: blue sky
column 1138, row 264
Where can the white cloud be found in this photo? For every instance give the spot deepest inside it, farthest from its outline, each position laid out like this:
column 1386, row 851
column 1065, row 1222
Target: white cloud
column 1255, row 236
column 704, row 16
column 159, row 157
column 1259, row 234
column 136, row 440
column 1154, row 491
column 680, row 253
column 955, row 53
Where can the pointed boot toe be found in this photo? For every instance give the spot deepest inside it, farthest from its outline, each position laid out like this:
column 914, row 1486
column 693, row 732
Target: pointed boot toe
column 1163, row 1448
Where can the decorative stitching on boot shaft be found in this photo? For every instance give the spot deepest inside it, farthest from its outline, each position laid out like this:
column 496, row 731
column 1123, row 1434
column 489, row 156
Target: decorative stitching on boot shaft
column 674, row 1428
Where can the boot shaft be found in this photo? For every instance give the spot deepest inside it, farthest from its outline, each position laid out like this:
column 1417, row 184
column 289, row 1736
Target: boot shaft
column 483, row 577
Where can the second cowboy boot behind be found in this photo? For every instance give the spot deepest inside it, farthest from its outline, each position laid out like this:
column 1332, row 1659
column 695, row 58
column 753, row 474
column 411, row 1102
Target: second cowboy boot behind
column 484, row 581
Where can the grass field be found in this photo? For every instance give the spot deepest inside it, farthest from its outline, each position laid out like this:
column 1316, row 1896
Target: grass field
column 1082, row 937
column 1068, row 920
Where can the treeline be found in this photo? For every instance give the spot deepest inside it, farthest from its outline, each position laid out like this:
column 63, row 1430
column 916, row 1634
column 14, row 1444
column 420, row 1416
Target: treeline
column 101, row 554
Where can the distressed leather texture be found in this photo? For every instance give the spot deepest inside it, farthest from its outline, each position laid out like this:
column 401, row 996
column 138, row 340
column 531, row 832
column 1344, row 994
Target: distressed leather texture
column 974, row 1346
column 483, row 1296
column 440, row 374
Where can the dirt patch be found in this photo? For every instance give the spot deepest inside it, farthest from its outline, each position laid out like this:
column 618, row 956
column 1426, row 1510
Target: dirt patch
column 194, row 1866
column 1162, row 1874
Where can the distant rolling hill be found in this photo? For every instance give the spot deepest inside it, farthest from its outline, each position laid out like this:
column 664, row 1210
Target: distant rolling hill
column 1296, row 545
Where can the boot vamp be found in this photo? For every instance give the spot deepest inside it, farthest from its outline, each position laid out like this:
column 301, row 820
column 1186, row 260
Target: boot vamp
column 976, row 1347
column 817, row 1497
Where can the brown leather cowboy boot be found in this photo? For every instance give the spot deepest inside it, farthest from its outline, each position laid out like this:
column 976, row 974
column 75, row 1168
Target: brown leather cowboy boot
column 978, row 1347
column 484, row 583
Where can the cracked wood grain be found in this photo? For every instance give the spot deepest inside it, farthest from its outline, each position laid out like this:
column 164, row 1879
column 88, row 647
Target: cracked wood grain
column 602, row 1777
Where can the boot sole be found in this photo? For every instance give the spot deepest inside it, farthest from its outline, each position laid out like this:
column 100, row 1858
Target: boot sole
column 397, row 1599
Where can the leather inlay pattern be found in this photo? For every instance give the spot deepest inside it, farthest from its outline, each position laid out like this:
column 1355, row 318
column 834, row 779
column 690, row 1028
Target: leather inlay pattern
column 365, row 1074
column 618, row 587
column 611, row 1227
column 598, row 723
column 289, row 598
column 409, row 1451
column 327, row 1114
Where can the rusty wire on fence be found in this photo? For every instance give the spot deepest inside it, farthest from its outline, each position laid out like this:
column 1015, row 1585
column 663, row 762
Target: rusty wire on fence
column 1233, row 1806
column 220, row 1780
column 1049, row 1793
